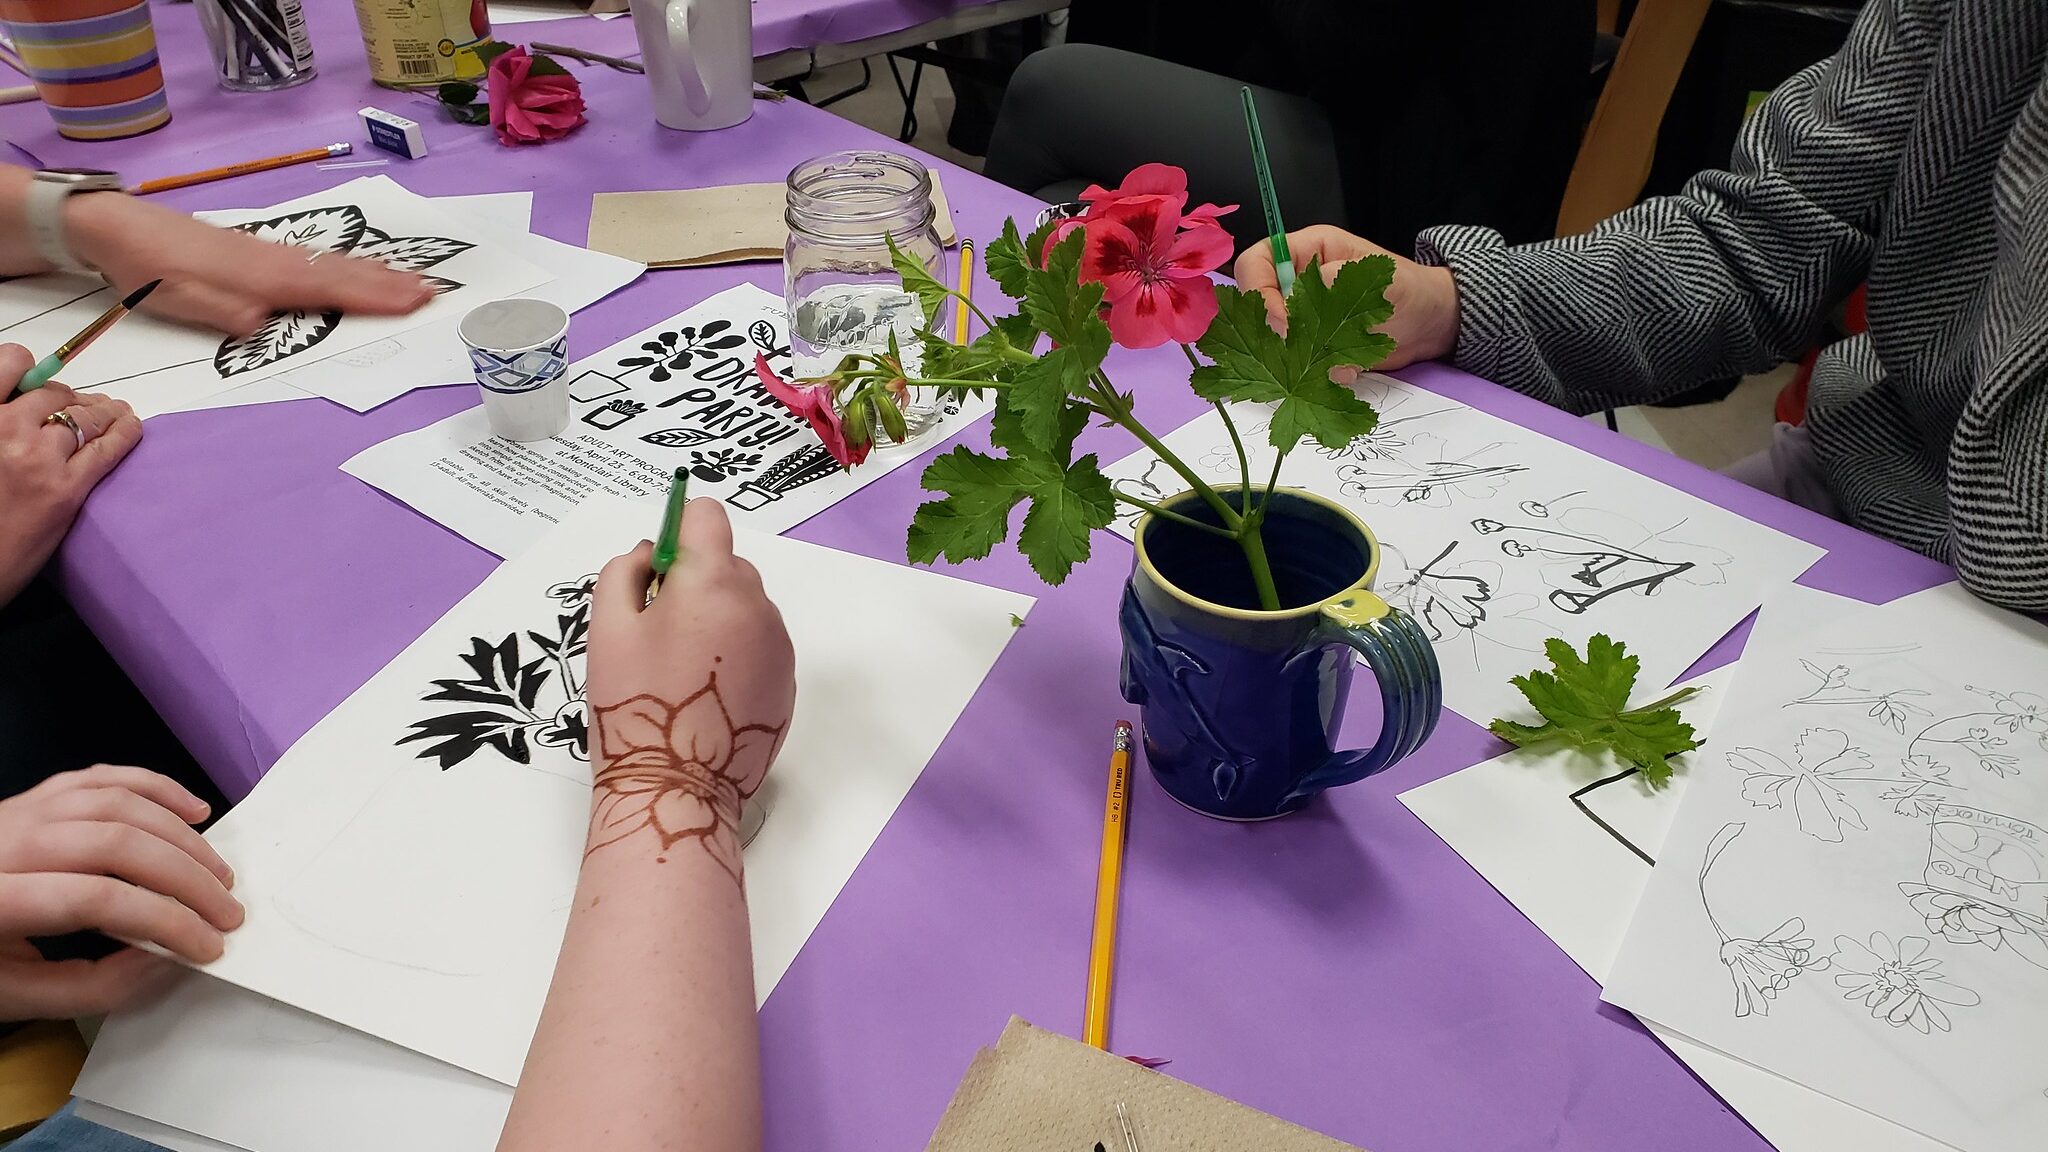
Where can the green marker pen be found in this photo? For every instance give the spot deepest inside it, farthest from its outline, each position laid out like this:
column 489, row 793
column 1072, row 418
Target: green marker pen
column 668, row 543
column 1269, row 197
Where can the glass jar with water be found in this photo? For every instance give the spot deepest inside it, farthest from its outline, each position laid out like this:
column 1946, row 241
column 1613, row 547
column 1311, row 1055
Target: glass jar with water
column 843, row 295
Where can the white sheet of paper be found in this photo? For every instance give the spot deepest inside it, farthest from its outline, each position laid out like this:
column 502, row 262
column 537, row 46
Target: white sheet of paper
column 161, row 367
column 433, row 353
column 1512, row 818
column 1854, row 894
column 1496, row 538
column 637, row 416
column 377, row 899
column 271, row 391
column 512, row 210
column 234, row 1068
column 162, row 1135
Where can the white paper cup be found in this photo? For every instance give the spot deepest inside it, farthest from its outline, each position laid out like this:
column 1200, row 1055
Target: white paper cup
column 519, row 349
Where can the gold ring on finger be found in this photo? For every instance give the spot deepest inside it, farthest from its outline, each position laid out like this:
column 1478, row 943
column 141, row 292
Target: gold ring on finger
column 63, row 416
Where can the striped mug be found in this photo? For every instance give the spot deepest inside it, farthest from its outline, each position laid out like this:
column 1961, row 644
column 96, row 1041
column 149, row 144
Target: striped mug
column 93, row 62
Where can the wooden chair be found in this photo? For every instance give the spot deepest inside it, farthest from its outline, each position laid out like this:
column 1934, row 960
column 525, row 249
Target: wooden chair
column 1615, row 153
column 38, row 1064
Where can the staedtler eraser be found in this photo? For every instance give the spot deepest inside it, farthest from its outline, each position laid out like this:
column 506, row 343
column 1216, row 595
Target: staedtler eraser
column 394, row 133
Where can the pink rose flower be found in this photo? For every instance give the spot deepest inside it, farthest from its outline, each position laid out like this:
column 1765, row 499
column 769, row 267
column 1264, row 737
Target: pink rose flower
column 531, row 105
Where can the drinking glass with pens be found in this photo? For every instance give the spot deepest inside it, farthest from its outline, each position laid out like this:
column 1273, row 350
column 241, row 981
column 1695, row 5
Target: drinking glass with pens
column 258, row 45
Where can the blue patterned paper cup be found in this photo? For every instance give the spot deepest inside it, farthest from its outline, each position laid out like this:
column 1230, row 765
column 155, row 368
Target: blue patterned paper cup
column 520, row 349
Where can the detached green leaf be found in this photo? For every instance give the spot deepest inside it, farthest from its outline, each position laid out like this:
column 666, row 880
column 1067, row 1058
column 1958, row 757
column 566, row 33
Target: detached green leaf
column 1328, row 326
column 470, row 113
column 1585, row 704
column 1007, row 263
column 457, row 92
column 918, row 281
column 1068, row 503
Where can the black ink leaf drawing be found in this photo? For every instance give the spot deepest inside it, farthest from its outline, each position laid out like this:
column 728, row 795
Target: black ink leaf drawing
column 1447, row 599
column 1458, row 602
column 409, row 253
column 1763, row 966
column 672, row 352
column 1986, row 882
column 1808, row 788
column 1588, row 555
column 336, row 229
column 1147, row 488
column 1396, row 430
column 1898, row 982
column 284, row 334
column 762, row 332
column 678, row 437
column 1427, row 475
column 722, row 464
column 807, row 465
column 614, row 413
column 512, row 702
column 1887, row 708
column 341, row 228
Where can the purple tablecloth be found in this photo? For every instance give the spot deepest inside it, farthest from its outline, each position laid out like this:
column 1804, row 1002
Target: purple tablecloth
column 1341, row 968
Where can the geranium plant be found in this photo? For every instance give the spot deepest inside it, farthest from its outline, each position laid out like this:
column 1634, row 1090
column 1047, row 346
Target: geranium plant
column 1135, row 270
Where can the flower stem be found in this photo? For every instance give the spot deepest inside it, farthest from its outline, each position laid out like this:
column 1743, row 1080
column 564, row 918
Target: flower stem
column 1254, row 545
column 1118, row 412
column 1244, row 467
column 1272, row 481
column 1169, row 514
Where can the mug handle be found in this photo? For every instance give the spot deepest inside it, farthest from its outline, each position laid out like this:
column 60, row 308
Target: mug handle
column 1411, row 684
column 695, row 92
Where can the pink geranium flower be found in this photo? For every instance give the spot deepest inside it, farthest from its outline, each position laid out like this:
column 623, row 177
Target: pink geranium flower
column 814, row 403
column 1154, row 267
column 1148, row 185
column 529, row 107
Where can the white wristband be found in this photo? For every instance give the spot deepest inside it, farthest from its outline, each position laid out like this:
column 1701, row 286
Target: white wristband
column 47, row 194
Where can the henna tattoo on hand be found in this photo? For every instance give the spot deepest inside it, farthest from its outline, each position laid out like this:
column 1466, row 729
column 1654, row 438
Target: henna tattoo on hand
column 679, row 769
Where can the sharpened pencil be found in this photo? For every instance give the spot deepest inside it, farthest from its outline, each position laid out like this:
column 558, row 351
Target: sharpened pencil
column 1109, row 879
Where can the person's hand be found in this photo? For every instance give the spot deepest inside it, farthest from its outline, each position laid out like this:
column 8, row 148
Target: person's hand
column 110, row 849
column 1425, row 321
column 45, row 474
column 689, row 697
column 224, row 279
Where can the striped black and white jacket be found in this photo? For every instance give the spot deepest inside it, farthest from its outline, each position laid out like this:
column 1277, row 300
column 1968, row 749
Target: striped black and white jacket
column 1915, row 159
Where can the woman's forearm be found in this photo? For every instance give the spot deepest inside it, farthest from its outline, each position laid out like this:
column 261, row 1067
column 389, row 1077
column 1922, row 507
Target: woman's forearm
column 647, row 1041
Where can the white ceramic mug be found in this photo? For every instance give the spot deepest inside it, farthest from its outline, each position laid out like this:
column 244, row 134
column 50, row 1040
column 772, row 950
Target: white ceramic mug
column 699, row 56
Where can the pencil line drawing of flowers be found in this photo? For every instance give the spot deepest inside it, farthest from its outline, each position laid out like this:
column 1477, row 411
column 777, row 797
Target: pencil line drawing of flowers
column 1824, row 756
column 1763, row 966
column 1898, row 982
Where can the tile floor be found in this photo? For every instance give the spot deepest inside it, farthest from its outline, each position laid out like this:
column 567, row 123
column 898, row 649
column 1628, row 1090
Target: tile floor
column 1714, row 435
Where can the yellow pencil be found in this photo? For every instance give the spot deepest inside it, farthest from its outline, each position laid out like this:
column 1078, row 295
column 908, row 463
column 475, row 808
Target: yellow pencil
column 166, row 183
column 966, row 291
column 1109, row 878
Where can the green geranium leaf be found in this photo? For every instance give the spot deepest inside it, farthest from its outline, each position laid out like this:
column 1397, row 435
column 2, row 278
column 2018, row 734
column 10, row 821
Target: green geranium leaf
column 1585, row 704
column 1007, row 263
column 1328, row 326
column 918, row 281
column 1068, row 502
column 1067, row 311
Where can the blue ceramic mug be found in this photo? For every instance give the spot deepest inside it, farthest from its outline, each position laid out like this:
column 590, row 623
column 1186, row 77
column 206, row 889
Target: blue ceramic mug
column 1241, row 706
